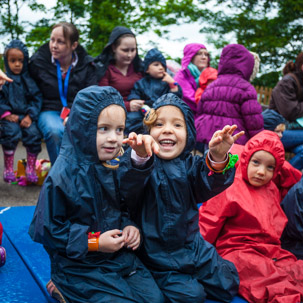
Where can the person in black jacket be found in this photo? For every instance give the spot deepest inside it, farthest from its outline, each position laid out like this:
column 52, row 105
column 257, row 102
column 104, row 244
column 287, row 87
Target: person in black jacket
column 292, row 204
column 80, row 219
column 60, row 68
column 20, row 105
column 162, row 197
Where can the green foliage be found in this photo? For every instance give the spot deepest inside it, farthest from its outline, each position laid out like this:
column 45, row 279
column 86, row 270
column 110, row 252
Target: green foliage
column 273, row 29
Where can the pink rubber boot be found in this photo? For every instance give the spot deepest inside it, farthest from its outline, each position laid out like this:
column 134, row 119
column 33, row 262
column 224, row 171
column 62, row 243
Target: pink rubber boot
column 8, row 174
column 30, row 170
column 2, row 256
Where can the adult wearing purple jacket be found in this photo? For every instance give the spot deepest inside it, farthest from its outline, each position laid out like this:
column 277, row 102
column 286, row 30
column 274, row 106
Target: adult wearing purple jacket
column 195, row 59
column 230, row 99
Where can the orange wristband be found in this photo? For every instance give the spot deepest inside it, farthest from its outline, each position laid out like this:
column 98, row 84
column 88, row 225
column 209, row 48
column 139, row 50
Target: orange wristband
column 93, row 244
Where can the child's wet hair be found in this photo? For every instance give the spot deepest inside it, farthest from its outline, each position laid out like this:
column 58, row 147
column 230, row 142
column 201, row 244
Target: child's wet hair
column 150, row 118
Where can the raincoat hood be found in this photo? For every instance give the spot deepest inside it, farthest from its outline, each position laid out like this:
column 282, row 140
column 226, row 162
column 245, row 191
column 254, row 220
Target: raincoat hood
column 18, row 45
column 81, row 128
column 265, row 140
column 189, row 52
column 171, row 99
column 209, row 73
column 107, row 54
column 236, row 60
column 272, row 119
column 153, row 55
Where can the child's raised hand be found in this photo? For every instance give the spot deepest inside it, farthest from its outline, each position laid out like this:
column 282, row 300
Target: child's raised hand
column 132, row 237
column 168, row 79
column 221, row 142
column 143, row 145
column 111, row 241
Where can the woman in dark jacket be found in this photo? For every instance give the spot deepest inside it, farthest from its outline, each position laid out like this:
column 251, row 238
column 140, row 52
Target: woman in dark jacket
column 287, row 100
column 61, row 68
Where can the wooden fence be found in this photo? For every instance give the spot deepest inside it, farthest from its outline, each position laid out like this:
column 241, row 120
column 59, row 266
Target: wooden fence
column 264, row 94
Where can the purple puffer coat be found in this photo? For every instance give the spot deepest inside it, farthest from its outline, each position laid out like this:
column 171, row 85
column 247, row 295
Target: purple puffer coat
column 184, row 77
column 230, row 99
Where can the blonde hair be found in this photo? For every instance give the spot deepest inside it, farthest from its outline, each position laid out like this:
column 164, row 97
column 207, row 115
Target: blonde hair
column 150, row 118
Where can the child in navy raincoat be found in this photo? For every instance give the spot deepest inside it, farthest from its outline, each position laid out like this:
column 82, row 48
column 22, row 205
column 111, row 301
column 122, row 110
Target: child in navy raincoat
column 156, row 83
column 246, row 221
column 20, row 105
column 80, row 198
column 292, row 237
column 163, row 197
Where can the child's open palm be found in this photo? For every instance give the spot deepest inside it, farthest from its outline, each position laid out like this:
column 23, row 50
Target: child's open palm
column 221, row 142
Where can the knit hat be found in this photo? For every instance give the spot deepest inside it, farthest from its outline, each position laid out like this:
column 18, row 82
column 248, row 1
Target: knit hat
column 256, row 66
column 152, row 56
column 272, row 119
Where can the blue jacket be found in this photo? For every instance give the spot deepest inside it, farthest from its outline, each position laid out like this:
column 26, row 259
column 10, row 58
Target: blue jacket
column 21, row 97
column 81, row 195
column 163, row 200
column 292, row 204
column 150, row 89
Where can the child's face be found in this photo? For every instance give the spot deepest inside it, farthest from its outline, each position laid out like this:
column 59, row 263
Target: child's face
column 261, row 168
column 280, row 129
column 156, row 70
column 169, row 131
column 111, row 124
column 15, row 60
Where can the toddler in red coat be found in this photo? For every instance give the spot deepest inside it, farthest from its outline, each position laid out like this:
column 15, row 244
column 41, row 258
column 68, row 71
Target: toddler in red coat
column 245, row 223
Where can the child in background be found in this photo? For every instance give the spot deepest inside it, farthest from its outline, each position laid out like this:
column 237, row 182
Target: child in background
column 246, row 221
column 156, row 83
column 231, row 99
column 79, row 217
column 208, row 75
column 162, row 198
column 20, row 104
column 292, row 237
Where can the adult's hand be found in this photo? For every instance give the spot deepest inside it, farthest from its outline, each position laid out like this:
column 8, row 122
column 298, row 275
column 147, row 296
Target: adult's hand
column 135, row 105
column 4, row 78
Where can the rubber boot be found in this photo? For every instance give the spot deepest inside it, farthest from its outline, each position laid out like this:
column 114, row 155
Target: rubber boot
column 30, row 170
column 2, row 256
column 8, row 174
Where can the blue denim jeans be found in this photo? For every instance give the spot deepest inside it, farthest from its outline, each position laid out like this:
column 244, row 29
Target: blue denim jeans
column 293, row 142
column 52, row 128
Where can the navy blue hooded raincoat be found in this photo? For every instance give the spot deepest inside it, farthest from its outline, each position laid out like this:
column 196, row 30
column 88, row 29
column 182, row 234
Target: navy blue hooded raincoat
column 185, row 266
column 21, row 97
column 148, row 88
column 292, row 204
column 81, row 195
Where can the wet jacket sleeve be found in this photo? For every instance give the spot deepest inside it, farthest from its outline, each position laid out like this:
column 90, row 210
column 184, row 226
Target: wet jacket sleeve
column 35, row 101
column 251, row 111
column 212, row 216
column 51, row 225
column 133, row 180
column 284, row 97
column 206, row 186
column 292, row 205
column 91, row 75
column 4, row 105
column 137, row 92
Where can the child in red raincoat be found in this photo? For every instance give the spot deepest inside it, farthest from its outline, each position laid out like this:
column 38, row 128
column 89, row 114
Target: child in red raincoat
column 208, row 75
column 245, row 223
